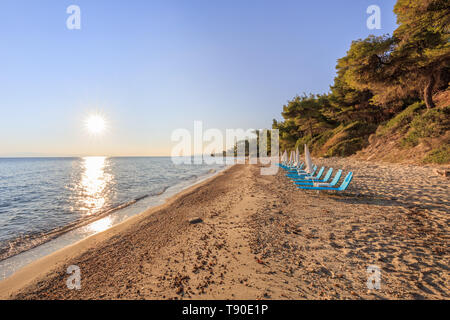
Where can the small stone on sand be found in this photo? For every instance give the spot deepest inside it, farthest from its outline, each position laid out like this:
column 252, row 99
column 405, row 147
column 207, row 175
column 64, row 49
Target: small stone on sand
column 195, row 220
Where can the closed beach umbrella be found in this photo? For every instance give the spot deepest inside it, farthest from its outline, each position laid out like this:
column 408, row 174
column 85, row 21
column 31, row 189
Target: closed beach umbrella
column 297, row 156
column 308, row 161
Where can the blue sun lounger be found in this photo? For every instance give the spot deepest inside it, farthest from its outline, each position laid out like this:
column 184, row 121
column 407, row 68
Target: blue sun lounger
column 299, row 171
column 316, row 178
column 333, row 182
column 286, row 166
column 311, row 177
column 302, row 173
column 295, row 169
column 342, row 187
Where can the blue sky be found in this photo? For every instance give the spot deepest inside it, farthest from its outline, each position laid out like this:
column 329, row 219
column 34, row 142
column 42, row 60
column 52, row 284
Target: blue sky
column 154, row 66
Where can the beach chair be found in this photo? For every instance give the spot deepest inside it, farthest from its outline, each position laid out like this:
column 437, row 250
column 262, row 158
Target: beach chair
column 295, row 168
column 298, row 170
column 333, row 182
column 284, row 165
column 302, row 173
column 342, row 187
column 316, row 178
column 311, row 178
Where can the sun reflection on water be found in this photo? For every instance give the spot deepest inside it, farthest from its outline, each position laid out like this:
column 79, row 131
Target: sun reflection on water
column 93, row 184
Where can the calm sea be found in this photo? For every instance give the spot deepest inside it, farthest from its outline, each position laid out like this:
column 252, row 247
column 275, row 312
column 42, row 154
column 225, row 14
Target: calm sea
column 43, row 198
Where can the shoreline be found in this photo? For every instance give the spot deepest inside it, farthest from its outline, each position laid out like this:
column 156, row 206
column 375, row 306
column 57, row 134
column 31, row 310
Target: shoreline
column 21, row 238
column 24, row 275
column 77, row 232
column 261, row 238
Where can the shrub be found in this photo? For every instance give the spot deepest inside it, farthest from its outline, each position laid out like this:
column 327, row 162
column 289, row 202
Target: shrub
column 346, row 147
column 433, row 123
column 322, row 139
column 401, row 119
column 439, row 155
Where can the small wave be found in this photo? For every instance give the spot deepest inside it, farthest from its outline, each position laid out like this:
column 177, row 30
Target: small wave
column 142, row 197
column 158, row 193
column 190, row 177
column 29, row 241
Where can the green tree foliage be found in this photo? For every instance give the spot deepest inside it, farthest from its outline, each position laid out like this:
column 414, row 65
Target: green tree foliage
column 289, row 133
column 376, row 80
column 349, row 104
column 422, row 53
column 367, row 68
column 412, row 63
column 306, row 113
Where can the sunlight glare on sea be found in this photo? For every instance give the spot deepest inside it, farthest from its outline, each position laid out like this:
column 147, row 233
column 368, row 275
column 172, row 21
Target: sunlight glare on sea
column 92, row 187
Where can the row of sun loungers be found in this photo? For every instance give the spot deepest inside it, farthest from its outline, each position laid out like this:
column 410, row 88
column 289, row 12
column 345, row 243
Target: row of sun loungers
column 315, row 181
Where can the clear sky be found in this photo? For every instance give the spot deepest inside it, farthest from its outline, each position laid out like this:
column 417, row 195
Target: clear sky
column 150, row 67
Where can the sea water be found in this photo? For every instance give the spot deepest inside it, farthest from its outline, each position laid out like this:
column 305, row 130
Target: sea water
column 49, row 203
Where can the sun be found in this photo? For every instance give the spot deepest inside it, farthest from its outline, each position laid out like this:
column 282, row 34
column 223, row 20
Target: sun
column 95, row 124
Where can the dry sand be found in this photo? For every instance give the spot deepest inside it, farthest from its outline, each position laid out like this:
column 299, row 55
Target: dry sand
column 261, row 238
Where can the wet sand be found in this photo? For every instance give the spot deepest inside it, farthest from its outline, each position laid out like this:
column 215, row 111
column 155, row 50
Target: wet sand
column 261, row 238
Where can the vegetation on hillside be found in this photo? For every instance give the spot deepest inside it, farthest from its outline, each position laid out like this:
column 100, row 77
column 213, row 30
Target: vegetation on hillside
column 383, row 86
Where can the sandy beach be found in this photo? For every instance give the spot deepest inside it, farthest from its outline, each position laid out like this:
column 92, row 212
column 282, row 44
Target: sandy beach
column 261, row 238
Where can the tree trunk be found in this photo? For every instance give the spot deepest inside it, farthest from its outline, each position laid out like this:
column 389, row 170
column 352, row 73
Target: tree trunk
column 428, row 92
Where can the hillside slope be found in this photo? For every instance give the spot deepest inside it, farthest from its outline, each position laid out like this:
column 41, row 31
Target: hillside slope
column 416, row 135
